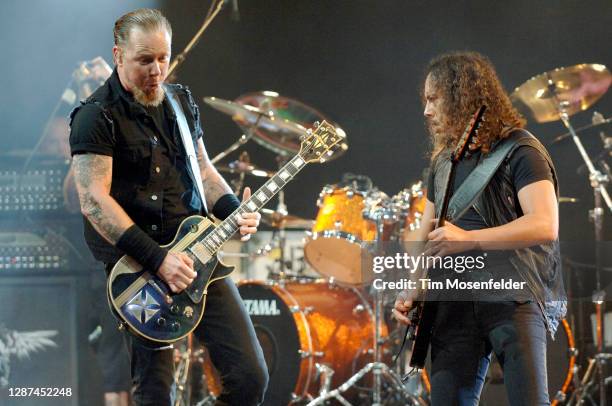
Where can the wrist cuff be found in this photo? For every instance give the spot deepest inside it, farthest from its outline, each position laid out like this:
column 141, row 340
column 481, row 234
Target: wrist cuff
column 225, row 206
column 138, row 245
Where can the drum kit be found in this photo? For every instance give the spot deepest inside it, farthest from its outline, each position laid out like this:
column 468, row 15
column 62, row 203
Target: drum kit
column 325, row 338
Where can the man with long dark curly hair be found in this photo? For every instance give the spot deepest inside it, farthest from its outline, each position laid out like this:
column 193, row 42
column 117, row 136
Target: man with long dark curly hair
column 513, row 218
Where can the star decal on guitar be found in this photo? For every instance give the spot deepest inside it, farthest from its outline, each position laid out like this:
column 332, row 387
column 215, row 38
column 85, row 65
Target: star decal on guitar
column 143, row 306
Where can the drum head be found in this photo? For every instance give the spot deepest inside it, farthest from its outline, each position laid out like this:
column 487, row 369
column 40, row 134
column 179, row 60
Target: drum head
column 278, row 335
column 336, row 257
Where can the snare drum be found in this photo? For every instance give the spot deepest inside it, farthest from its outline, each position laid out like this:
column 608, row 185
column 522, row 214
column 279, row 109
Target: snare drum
column 334, row 248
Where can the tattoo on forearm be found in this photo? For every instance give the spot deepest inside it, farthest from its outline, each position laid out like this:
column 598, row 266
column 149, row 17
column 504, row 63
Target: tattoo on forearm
column 214, row 184
column 103, row 223
column 89, row 169
column 214, row 189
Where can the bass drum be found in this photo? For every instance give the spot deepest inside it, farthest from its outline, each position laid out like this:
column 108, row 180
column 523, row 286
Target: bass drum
column 303, row 325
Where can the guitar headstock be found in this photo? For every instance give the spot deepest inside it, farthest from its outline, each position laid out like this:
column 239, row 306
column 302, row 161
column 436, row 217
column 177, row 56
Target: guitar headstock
column 320, row 142
column 468, row 133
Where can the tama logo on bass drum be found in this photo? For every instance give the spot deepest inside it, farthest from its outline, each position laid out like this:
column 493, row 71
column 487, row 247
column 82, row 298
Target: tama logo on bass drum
column 261, row 307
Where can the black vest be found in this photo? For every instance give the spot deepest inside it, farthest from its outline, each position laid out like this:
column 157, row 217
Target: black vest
column 141, row 171
column 540, row 265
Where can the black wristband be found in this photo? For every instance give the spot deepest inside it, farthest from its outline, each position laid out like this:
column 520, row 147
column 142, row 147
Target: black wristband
column 225, row 206
column 138, row 245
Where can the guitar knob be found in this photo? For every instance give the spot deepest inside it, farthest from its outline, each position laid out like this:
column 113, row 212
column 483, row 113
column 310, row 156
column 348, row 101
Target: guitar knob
column 175, row 326
column 174, row 309
column 161, row 322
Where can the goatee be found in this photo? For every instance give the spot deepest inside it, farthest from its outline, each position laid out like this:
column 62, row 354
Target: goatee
column 152, row 99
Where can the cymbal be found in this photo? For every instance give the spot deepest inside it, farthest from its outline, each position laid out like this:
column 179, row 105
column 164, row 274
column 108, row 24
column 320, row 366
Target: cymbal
column 238, row 167
column 573, row 88
column 591, row 129
column 288, row 120
column 247, row 116
column 281, row 220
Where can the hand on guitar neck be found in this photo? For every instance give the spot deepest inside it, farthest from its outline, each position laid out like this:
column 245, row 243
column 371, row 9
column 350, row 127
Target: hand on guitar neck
column 403, row 304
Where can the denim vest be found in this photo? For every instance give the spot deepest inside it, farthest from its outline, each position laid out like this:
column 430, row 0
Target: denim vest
column 540, row 265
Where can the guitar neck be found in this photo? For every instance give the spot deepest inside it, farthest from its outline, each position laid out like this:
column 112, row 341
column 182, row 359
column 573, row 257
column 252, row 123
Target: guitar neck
column 224, row 231
column 448, row 191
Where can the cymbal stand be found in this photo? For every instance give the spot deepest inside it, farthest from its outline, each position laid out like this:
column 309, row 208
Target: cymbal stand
column 243, row 139
column 378, row 368
column 598, row 182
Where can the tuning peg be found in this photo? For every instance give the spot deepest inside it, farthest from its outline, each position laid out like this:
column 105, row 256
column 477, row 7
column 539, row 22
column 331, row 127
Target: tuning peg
column 316, row 123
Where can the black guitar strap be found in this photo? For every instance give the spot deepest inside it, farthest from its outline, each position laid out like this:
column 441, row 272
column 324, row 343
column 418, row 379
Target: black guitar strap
column 478, row 179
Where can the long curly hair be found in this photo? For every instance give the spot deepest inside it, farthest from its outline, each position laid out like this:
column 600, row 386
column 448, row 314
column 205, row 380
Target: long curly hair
column 465, row 81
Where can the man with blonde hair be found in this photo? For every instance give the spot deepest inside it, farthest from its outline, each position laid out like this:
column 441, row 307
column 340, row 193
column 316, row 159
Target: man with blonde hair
column 135, row 187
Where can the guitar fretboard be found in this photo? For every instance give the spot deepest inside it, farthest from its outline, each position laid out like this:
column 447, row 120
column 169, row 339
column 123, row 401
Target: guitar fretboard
column 224, row 231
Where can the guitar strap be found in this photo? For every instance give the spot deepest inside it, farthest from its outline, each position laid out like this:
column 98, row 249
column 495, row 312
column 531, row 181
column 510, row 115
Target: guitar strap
column 478, row 179
column 193, row 167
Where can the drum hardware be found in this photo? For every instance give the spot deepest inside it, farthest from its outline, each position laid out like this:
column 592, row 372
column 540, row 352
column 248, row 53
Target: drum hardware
column 186, row 358
column 325, row 377
column 242, row 166
column 287, row 120
column 556, row 95
column 378, row 368
column 310, row 350
column 333, row 248
column 280, row 220
column 597, row 127
column 236, row 111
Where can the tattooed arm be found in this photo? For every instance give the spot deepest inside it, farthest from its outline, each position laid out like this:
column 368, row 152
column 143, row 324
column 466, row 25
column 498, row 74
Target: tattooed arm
column 214, row 184
column 93, row 174
column 215, row 187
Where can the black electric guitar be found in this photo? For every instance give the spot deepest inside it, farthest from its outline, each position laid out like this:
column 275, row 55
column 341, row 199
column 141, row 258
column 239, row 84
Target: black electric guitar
column 424, row 313
column 145, row 304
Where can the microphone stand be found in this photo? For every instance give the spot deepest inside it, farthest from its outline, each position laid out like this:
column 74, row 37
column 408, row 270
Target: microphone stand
column 180, row 58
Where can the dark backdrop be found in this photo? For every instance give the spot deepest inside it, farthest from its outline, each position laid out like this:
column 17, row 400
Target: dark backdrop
column 359, row 62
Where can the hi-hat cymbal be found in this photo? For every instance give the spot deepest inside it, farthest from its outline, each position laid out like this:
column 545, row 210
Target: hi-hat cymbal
column 238, row 167
column 281, row 220
column 285, row 139
column 573, row 89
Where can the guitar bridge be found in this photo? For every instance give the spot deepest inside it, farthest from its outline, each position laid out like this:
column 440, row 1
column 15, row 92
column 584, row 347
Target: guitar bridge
column 158, row 288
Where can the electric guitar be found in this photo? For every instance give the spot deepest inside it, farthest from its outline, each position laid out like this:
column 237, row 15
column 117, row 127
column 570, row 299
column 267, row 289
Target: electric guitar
column 424, row 314
column 145, row 304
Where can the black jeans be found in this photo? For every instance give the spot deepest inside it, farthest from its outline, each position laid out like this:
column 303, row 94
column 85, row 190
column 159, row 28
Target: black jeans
column 229, row 336
column 465, row 334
